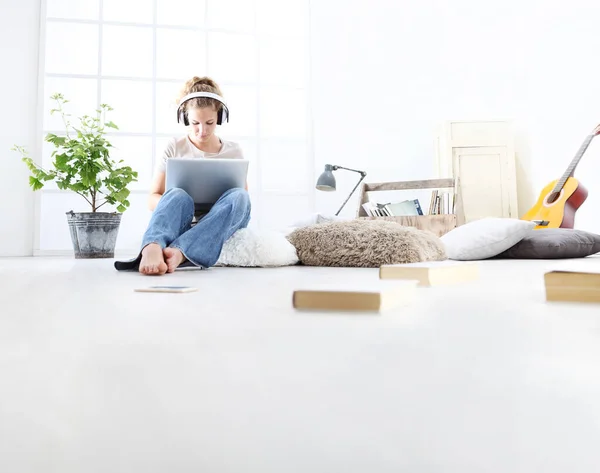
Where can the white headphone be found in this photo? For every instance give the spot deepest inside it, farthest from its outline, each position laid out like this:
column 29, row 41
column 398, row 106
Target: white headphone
column 223, row 113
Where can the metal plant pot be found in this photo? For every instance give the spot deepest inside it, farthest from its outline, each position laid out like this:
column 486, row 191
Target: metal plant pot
column 94, row 234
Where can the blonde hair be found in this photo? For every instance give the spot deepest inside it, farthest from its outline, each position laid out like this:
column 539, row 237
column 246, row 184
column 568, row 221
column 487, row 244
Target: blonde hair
column 201, row 84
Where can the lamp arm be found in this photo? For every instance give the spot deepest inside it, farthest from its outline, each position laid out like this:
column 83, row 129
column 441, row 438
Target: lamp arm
column 362, row 176
column 335, row 168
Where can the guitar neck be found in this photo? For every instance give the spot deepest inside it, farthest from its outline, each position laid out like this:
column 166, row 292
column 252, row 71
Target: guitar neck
column 574, row 162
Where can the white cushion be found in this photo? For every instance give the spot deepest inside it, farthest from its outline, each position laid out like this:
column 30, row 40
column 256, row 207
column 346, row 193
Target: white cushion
column 257, row 248
column 485, row 238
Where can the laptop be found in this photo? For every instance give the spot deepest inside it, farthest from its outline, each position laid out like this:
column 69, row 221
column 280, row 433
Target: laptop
column 206, row 179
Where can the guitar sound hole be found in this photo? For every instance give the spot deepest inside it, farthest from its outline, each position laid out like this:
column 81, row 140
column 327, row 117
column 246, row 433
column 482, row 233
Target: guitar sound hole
column 553, row 197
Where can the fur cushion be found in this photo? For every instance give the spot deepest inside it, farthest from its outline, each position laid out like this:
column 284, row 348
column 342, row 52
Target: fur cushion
column 364, row 243
column 257, row 248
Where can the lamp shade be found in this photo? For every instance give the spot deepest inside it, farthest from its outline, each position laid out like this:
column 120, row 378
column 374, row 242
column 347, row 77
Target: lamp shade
column 326, row 181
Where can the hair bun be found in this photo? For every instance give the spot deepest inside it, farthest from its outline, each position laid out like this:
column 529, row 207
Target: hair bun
column 205, row 81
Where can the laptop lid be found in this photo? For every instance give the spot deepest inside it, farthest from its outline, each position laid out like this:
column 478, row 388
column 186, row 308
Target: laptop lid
column 206, row 179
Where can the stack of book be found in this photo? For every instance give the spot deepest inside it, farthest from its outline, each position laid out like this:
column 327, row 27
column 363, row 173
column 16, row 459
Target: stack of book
column 441, row 203
column 396, row 209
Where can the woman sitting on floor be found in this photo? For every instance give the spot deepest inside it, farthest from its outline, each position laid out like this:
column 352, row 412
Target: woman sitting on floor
column 170, row 238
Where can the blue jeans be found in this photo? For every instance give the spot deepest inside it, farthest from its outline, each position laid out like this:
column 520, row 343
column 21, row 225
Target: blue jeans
column 171, row 226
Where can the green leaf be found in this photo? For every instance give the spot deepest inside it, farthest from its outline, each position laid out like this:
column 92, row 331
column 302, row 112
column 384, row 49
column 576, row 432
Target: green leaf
column 35, row 183
column 111, row 125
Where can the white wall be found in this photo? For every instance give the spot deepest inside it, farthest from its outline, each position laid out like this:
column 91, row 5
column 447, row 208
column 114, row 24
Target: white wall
column 385, row 76
column 19, row 37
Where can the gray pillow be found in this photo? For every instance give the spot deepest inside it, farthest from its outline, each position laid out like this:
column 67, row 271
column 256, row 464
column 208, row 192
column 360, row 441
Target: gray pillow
column 554, row 243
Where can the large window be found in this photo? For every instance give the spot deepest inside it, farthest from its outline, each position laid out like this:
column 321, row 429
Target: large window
column 136, row 54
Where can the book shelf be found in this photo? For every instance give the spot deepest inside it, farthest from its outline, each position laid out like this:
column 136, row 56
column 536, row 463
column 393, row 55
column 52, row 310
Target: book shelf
column 439, row 224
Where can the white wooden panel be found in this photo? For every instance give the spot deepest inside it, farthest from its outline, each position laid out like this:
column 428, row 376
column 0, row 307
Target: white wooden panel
column 481, row 179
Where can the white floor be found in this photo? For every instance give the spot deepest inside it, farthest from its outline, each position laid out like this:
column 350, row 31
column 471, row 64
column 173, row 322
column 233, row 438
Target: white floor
column 482, row 377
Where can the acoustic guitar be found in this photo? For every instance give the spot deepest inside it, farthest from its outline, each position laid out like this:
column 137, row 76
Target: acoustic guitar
column 559, row 200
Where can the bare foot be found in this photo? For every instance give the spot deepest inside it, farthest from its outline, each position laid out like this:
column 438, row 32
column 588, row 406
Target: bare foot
column 173, row 257
column 153, row 262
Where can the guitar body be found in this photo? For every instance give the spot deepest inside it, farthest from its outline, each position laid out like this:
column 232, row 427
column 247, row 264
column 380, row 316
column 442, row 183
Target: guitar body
column 561, row 212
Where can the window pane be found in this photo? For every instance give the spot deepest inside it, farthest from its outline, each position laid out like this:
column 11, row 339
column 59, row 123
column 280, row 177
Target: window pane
column 180, row 54
column 136, row 151
column 127, row 51
column 241, row 101
column 287, row 18
column 134, row 222
column 161, row 145
column 132, row 103
column 166, row 108
column 54, row 229
column 282, row 113
column 231, row 14
column 284, row 166
column 82, row 95
column 47, row 160
column 232, row 57
column 63, row 57
column 284, row 62
column 181, row 12
column 76, row 9
column 249, row 151
column 133, row 11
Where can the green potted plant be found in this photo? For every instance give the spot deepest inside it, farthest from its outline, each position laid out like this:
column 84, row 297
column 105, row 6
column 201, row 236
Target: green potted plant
column 82, row 164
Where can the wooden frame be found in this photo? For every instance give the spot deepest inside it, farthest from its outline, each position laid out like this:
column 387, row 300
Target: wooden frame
column 438, row 224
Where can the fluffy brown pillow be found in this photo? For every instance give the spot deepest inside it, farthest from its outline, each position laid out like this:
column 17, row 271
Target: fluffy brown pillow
column 364, row 243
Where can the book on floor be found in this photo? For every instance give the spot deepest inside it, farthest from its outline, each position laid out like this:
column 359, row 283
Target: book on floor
column 432, row 273
column 376, row 297
column 573, row 283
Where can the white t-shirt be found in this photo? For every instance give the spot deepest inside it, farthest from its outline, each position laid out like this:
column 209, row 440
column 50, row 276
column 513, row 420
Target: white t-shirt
column 181, row 147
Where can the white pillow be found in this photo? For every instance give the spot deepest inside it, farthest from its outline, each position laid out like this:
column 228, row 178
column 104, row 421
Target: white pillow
column 485, row 238
column 257, row 248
